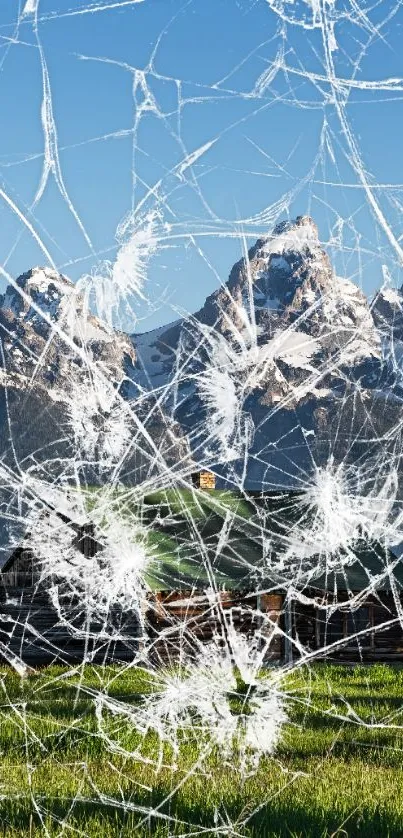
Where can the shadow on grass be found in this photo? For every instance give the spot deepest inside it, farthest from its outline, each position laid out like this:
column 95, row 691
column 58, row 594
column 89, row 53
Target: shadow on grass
column 61, row 707
column 380, row 752
column 274, row 820
column 318, row 717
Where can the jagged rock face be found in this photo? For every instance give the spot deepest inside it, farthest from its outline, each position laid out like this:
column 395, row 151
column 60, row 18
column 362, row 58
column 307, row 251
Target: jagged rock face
column 282, row 276
column 387, row 311
column 67, row 380
column 283, row 299
column 31, row 346
column 280, row 369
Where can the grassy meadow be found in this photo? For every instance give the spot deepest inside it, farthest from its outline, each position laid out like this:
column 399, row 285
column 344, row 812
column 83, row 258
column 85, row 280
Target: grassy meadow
column 336, row 771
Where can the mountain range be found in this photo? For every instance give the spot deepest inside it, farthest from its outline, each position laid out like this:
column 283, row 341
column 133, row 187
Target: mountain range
column 284, row 368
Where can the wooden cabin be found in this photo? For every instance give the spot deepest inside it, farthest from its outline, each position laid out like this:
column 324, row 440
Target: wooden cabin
column 178, row 621
column 357, row 611
column 349, row 610
column 349, row 614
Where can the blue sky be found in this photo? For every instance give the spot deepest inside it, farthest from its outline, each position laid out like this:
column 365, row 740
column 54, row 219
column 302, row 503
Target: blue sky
column 276, row 151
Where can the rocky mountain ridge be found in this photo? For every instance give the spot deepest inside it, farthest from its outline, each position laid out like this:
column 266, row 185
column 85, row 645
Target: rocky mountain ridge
column 283, row 367
column 68, row 381
column 286, row 284
column 31, row 348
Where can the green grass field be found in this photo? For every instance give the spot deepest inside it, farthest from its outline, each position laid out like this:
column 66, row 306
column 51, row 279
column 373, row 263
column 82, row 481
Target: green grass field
column 337, row 770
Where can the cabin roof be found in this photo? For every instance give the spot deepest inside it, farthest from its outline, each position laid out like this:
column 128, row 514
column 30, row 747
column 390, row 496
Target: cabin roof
column 375, row 566
column 12, row 559
column 184, row 533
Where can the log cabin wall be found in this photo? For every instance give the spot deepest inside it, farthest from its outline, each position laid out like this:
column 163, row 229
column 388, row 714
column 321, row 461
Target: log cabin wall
column 316, row 630
column 30, row 627
column 179, row 621
column 20, row 570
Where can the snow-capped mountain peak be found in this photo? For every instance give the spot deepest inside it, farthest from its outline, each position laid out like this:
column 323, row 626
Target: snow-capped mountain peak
column 68, row 399
column 287, row 269
column 45, row 280
column 31, row 347
column 48, row 291
column 285, row 338
column 299, row 234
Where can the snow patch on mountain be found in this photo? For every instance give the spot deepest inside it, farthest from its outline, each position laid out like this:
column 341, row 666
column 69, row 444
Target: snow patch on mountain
column 291, row 236
column 295, row 348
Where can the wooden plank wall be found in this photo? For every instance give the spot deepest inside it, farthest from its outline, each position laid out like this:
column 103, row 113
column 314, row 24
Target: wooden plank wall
column 30, row 627
column 316, row 630
column 180, row 621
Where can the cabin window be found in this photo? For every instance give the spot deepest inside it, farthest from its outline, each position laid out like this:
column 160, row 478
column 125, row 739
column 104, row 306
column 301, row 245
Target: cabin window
column 343, row 625
column 362, row 630
column 390, row 638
